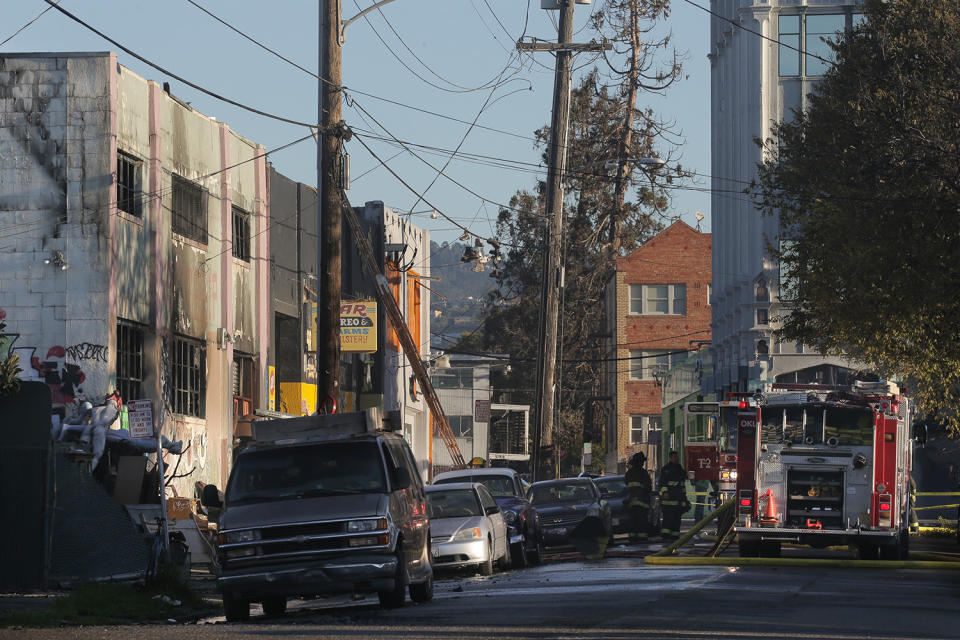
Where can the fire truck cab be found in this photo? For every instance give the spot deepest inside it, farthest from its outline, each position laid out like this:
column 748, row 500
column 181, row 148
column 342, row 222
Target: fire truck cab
column 822, row 465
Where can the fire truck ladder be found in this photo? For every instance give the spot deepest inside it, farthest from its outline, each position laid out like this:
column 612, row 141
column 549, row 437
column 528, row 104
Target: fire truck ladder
column 410, row 348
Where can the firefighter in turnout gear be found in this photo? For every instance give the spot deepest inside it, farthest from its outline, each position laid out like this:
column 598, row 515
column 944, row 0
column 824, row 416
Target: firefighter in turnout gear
column 673, row 496
column 639, row 488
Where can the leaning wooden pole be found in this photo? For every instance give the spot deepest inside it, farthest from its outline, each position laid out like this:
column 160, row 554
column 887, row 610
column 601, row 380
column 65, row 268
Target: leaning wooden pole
column 410, row 347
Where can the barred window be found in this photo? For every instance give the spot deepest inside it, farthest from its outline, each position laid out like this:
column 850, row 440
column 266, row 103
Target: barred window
column 129, row 184
column 189, row 209
column 241, row 234
column 129, row 360
column 187, row 377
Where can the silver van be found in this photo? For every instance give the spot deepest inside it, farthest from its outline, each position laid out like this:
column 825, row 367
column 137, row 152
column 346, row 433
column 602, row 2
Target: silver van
column 323, row 514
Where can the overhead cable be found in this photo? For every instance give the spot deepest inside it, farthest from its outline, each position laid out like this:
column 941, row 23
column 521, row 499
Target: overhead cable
column 178, row 77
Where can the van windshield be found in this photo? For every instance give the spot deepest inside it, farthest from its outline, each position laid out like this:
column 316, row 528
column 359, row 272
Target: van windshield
column 330, row 468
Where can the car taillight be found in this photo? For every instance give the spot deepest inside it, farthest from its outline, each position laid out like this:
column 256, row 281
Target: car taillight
column 746, row 501
column 743, row 404
column 884, row 507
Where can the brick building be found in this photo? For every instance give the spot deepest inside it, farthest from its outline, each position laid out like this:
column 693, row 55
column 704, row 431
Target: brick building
column 658, row 312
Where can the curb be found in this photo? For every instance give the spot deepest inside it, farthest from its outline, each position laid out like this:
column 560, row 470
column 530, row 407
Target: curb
column 688, row 561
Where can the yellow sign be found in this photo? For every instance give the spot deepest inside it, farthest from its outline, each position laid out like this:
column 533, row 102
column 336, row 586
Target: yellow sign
column 358, row 326
column 272, row 388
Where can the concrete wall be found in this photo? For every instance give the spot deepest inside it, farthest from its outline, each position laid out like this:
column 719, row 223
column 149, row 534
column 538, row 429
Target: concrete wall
column 747, row 97
column 678, row 255
column 63, row 118
column 55, row 168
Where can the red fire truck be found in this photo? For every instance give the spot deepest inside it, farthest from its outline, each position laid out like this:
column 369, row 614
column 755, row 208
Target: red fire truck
column 821, row 465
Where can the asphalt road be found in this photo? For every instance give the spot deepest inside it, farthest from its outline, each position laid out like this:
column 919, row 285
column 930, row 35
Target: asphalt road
column 614, row 598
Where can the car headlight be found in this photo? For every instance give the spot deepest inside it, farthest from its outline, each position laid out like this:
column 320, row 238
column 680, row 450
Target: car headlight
column 236, row 537
column 509, row 516
column 468, row 534
column 360, row 526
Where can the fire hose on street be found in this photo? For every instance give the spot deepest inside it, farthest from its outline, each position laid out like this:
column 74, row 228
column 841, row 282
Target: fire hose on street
column 667, row 555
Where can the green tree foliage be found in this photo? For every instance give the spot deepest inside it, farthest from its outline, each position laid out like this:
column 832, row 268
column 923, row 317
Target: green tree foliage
column 9, row 368
column 866, row 183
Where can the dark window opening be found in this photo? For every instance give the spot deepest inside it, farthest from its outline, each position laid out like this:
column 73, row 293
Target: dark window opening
column 243, row 385
column 189, row 209
column 129, row 360
column 241, row 234
column 129, row 184
column 187, row 377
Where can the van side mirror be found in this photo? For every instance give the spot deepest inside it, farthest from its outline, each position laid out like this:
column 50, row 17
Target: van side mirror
column 402, row 478
column 210, row 497
column 492, row 510
column 920, row 433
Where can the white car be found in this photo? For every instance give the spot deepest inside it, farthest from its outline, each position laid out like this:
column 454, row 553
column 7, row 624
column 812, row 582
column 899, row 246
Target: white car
column 466, row 527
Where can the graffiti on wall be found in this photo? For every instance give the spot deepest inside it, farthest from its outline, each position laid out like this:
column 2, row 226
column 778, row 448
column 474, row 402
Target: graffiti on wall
column 61, row 369
column 87, row 351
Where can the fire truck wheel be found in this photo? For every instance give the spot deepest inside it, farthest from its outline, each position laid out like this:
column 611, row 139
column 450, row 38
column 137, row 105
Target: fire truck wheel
column 867, row 551
column 890, row 551
column 769, row 549
column 749, row 548
column 904, row 544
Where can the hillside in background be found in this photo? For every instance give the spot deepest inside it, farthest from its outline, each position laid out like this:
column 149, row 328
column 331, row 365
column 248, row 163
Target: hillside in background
column 459, row 309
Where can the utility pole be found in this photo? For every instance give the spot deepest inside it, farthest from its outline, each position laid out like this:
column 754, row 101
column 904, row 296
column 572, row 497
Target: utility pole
column 329, row 209
column 553, row 273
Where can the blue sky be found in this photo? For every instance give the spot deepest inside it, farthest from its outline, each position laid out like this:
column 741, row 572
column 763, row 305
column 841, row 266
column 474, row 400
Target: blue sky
column 457, row 45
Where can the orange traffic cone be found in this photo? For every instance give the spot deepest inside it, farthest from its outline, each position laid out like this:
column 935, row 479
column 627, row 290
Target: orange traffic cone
column 768, row 517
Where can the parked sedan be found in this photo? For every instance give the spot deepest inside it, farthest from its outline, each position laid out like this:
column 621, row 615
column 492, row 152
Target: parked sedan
column 614, row 490
column 562, row 504
column 466, row 527
column 523, row 521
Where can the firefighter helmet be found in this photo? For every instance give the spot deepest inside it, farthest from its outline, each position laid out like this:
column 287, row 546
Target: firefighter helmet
column 637, row 460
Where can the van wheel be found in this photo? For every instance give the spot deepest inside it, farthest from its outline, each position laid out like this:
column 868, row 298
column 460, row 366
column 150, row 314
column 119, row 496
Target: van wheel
column 398, row 596
column 234, row 609
column 274, row 607
column 422, row 592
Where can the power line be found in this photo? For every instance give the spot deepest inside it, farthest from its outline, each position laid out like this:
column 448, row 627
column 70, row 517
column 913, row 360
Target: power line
column 178, row 77
column 18, row 31
column 408, row 68
column 354, row 90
